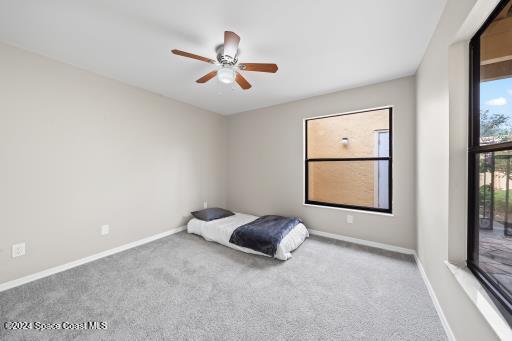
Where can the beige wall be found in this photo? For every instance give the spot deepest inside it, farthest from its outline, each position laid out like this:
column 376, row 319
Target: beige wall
column 266, row 162
column 78, row 151
column 350, row 183
column 441, row 166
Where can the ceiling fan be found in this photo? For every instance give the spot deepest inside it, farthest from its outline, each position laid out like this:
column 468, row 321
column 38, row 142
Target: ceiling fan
column 227, row 60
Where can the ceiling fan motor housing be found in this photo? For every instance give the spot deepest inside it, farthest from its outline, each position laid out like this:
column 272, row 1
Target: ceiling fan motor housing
column 225, row 59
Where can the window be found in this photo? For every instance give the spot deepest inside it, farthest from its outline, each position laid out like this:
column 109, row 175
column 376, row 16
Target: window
column 490, row 155
column 348, row 160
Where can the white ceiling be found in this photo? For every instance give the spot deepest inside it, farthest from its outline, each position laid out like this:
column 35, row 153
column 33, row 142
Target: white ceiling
column 321, row 46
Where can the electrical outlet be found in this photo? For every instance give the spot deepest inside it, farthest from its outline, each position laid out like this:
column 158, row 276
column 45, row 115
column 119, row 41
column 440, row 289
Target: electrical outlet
column 350, row 219
column 205, row 204
column 105, row 229
column 18, row 250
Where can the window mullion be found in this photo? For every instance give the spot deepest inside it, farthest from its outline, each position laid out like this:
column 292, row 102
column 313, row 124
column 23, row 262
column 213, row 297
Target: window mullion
column 384, row 158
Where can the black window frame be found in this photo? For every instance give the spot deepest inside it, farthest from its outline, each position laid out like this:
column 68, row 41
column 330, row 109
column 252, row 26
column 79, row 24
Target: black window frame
column 389, row 158
column 474, row 150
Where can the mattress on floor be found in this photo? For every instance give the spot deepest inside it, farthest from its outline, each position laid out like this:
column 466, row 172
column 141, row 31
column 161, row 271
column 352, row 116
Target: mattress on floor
column 220, row 231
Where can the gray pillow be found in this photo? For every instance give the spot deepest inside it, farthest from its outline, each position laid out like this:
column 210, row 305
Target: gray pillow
column 209, row 214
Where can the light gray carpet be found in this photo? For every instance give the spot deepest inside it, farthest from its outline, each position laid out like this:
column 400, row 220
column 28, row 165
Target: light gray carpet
column 185, row 288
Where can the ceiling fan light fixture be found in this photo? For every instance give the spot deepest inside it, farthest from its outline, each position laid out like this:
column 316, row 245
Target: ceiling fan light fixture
column 227, row 63
column 226, row 75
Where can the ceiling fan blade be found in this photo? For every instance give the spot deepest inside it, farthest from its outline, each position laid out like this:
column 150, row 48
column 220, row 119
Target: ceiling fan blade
column 207, row 77
column 231, row 41
column 193, row 56
column 244, row 84
column 260, row 67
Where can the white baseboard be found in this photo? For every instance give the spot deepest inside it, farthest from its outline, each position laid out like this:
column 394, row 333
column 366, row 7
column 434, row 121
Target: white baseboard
column 398, row 249
column 67, row 266
column 363, row 242
column 433, row 297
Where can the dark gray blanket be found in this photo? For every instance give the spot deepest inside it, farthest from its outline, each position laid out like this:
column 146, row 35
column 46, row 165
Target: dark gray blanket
column 264, row 234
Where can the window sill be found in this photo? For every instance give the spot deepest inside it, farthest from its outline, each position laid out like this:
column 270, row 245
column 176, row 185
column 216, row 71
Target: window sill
column 481, row 299
column 351, row 210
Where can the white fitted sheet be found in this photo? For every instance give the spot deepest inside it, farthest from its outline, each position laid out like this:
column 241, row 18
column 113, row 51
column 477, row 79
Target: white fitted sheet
column 220, row 231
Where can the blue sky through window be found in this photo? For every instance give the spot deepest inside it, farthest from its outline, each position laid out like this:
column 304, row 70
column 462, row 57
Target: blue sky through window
column 496, row 96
